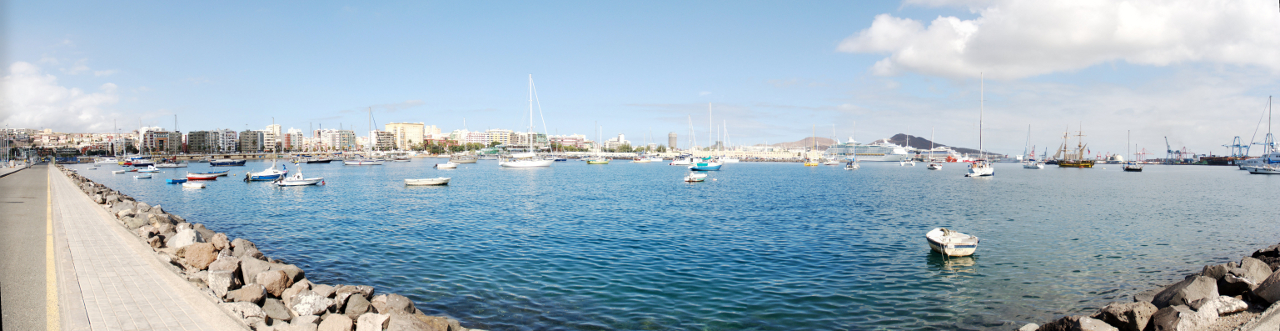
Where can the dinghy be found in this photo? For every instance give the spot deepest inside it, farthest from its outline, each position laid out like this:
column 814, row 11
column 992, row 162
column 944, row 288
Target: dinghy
column 695, row 177
column 201, row 176
column 447, row 165
column 119, row 171
column 951, row 243
column 427, row 181
column 175, row 181
column 193, row 185
column 146, row 176
column 298, row 180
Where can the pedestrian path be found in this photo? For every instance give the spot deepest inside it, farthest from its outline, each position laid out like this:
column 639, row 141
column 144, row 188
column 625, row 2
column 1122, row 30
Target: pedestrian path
column 5, row 170
column 116, row 279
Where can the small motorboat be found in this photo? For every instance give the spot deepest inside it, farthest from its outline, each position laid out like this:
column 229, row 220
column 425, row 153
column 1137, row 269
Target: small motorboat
column 144, row 176
column 149, row 169
column 852, row 166
column 598, row 160
column 831, row 162
column 695, row 177
column 270, row 174
column 907, row 163
column 117, row 172
column 447, row 165
column 171, row 165
column 935, row 166
column 193, row 185
column 951, row 243
column 1133, row 167
column 706, row 165
column 427, row 181
column 214, row 173
column 1265, row 169
column 175, row 181
column 298, row 180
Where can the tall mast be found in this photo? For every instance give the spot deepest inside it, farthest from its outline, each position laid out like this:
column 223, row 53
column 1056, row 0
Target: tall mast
column 1028, row 145
column 710, row 131
column 1128, row 134
column 931, row 144
column 530, row 113
column 981, row 105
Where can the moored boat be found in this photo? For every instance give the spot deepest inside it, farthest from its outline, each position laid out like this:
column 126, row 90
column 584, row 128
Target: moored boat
column 951, row 243
column 193, row 185
column 523, row 160
column 427, row 181
column 143, row 176
column 171, row 165
column 202, row 176
column 447, row 165
column 269, row 174
column 694, row 177
column 298, row 179
column 226, row 163
column 175, row 181
column 117, row 172
column 149, row 169
column 707, row 164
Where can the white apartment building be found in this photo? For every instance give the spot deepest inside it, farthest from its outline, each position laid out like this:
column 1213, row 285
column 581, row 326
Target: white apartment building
column 406, row 135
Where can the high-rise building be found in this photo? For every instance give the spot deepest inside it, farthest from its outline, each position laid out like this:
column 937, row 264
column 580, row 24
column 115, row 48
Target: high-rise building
column 501, row 136
column 384, row 141
column 251, row 141
column 406, row 135
column 200, row 142
column 671, row 140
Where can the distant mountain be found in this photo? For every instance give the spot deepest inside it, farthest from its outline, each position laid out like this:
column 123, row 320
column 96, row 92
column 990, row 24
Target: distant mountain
column 823, row 143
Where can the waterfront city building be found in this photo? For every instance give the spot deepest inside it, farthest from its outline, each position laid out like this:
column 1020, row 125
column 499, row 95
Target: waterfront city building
column 671, row 141
column 406, row 135
column 251, row 141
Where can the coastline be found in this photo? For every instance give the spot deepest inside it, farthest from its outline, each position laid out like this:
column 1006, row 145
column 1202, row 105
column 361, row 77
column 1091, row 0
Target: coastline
column 260, row 292
column 1229, row 296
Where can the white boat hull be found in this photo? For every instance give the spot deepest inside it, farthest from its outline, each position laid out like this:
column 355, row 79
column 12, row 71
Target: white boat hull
column 935, row 166
column 680, row 162
column 1036, row 165
column 449, row 165
column 193, row 185
column 362, row 162
column 300, row 182
column 980, row 170
column 951, row 243
column 526, row 163
column 1263, row 170
column 427, row 181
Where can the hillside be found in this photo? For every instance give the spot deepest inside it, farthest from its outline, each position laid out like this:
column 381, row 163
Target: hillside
column 823, row 143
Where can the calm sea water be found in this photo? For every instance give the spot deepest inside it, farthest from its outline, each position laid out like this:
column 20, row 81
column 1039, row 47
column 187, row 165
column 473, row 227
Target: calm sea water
column 759, row 246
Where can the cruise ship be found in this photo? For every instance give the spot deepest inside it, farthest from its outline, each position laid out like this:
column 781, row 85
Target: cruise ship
column 876, row 152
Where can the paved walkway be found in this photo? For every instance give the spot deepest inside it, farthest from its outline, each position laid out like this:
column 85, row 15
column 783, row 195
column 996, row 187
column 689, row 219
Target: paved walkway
column 23, row 225
column 110, row 280
column 5, row 170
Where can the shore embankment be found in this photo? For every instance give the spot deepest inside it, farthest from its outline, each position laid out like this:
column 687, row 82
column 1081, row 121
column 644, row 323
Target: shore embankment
column 261, row 292
column 1229, row 296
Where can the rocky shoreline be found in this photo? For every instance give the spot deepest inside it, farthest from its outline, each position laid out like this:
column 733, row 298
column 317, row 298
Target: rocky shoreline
column 1228, row 296
column 263, row 293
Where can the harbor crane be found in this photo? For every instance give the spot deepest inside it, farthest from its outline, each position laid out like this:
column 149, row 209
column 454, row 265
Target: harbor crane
column 1238, row 148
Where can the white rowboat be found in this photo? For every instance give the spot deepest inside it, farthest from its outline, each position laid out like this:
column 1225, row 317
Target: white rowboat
column 447, row 165
column 951, row 243
column 193, row 185
column 427, row 181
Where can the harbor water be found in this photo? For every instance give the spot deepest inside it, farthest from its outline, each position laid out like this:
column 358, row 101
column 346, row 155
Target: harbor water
column 758, row 246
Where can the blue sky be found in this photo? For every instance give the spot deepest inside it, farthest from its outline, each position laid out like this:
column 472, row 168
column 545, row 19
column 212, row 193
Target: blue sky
column 772, row 70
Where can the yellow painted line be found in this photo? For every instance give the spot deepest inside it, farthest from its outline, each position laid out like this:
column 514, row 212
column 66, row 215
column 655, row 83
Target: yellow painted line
column 53, row 322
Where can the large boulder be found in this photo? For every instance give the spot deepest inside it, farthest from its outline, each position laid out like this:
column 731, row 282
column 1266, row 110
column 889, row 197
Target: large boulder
column 252, row 267
column 1180, row 317
column 1221, row 305
column 1269, row 255
column 355, row 306
column 372, row 322
column 1192, row 288
column 219, row 241
column 245, row 311
column 1269, row 289
column 335, row 322
column 198, row 255
column 252, row 293
column 323, row 290
column 1250, row 273
column 276, row 310
column 1071, row 323
column 397, row 304
column 143, row 207
column 146, row 231
column 310, row 303
column 242, row 248
column 307, row 322
column 275, row 282
column 220, row 282
column 1130, row 316
column 183, row 238
column 406, row 322
column 135, row 222
column 204, row 233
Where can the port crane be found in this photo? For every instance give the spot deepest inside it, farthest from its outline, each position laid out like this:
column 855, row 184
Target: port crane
column 1238, row 148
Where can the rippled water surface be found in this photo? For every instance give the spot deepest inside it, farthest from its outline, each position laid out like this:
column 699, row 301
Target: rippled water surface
column 758, row 246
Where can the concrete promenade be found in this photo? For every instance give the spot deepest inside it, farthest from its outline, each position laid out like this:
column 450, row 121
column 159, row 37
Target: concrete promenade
column 93, row 273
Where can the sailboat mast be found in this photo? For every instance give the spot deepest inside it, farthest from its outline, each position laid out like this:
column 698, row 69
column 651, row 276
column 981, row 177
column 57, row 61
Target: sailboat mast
column 530, row 112
column 931, row 145
column 710, row 131
column 982, row 101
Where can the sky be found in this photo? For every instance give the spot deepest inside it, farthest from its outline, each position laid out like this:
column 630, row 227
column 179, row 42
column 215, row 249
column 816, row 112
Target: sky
column 1197, row 72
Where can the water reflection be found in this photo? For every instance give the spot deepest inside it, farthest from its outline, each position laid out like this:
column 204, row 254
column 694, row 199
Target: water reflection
column 952, row 264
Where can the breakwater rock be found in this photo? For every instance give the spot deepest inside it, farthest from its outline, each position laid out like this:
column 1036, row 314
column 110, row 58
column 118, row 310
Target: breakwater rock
column 1220, row 297
column 264, row 293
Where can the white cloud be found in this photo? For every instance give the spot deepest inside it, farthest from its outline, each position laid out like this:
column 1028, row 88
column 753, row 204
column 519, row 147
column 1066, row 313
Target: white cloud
column 101, row 73
column 33, row 99
column 77, row 68
column 1013, row 39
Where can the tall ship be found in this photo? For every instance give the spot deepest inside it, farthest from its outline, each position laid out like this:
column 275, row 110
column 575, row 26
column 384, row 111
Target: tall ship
column 1072, row 158
column 874, row 152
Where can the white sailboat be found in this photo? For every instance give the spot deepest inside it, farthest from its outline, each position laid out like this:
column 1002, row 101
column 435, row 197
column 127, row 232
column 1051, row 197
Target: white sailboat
column 529, row 159
column 908, row 161
column 1132, row 165
column 980, row 167
column 933, row 165
column 373, row 138
column 1027, row 162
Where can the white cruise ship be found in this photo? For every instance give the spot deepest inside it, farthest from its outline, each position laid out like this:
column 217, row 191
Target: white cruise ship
column 877, row 152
